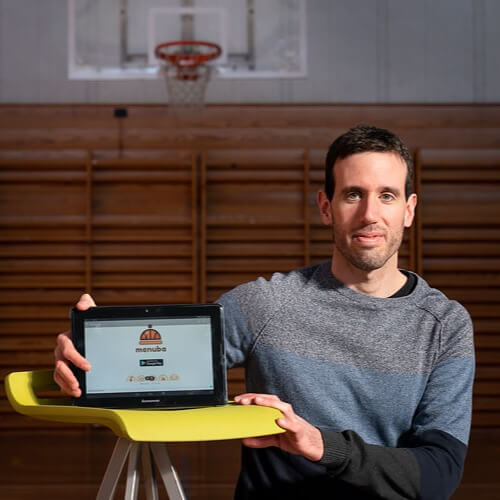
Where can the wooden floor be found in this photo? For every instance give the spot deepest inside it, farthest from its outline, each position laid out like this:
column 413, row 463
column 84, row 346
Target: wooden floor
column 58, row 465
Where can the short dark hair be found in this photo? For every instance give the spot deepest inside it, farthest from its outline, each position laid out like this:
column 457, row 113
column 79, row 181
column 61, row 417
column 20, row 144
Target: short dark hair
column 362, row 139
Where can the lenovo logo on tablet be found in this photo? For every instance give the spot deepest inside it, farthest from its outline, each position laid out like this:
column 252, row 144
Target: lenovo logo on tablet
column 150, row 400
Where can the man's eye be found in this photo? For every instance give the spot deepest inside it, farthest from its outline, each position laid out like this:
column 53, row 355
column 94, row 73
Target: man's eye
column 387, row 196
column 353, row 196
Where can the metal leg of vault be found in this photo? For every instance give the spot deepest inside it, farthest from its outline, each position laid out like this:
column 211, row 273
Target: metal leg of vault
column 148, row 454
column 149, row 474
column 167, row 472
column 115, row 466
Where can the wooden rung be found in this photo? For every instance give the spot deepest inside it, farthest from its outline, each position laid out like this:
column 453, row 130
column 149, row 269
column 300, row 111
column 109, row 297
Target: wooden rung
column 460, row 234
column 461, row 176
column 227, row 221
column 488, row 356
column 141, row 221
column 457, row 158
column 29, row 177
column 250, row 177
column 142, row 177
column 446, row 264
column 42, row 220
column 254, row 158
column 488, row 403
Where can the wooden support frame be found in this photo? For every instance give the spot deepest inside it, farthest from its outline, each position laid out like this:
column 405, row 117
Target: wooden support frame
column 416, row 233
column 88, row 222
column 196, row 245
column 307, row 212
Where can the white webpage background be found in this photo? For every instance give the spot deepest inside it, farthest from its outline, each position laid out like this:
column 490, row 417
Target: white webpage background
column 111, row 346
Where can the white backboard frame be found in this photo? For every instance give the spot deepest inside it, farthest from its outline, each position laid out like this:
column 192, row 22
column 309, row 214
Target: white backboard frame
column 82, row 72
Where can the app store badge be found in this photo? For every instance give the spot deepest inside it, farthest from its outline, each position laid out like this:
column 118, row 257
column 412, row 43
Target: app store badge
column 151, row 362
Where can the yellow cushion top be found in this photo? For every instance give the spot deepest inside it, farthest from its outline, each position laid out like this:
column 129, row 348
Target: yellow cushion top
column 231, row 421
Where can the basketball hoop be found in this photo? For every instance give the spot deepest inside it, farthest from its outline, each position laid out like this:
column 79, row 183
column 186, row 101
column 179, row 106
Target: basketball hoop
column 185, row 67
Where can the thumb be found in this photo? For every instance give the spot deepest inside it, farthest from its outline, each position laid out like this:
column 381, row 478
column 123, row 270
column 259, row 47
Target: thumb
column 260, row 442
column 85, row 302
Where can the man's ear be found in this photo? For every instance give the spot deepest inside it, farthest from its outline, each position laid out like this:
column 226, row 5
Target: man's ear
column 411, row 203
column 324, row 206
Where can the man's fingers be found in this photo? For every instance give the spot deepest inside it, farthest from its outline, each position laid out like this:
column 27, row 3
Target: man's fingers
column 271, row 401
column 245, row 398
column 64, row 371
column 85, row 302
column 59, row 343
column 66, row 350
column 249, row 397
column 289, row 424
column 65, row 388
column 67, row 383
column 300, row 437
column 275, row 402
column 260, row 442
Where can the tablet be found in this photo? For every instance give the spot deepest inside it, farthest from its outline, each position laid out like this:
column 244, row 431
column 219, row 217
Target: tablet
column 151, row 356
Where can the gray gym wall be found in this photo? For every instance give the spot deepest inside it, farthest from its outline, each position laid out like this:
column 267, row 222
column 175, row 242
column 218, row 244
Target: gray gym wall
column 359, row 51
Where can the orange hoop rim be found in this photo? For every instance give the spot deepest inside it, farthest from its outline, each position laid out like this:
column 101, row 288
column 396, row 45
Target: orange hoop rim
column 187, row 59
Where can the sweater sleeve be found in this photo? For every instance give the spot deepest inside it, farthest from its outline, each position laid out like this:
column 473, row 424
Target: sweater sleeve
column 247, row 308
column 431, row 470
column 429, row 463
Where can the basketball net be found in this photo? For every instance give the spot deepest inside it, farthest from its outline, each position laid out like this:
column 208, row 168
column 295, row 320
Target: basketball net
column 184, row 66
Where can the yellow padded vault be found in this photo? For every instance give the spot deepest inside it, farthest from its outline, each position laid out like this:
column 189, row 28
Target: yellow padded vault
column 231, row 421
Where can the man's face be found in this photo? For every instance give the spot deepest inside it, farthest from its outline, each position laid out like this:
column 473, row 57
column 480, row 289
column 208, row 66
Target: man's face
column 368, row 211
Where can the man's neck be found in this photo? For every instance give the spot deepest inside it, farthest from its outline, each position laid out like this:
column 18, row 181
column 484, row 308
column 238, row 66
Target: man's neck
column 381, row 283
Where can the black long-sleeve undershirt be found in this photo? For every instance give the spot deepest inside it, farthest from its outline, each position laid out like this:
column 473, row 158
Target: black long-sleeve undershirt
column 428, row 468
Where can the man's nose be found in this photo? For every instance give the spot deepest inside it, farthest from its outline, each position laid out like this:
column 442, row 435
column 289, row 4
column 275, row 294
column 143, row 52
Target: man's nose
column 369, row 210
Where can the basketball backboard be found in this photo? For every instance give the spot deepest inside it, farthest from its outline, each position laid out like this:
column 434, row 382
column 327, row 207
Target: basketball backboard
column 115, row 39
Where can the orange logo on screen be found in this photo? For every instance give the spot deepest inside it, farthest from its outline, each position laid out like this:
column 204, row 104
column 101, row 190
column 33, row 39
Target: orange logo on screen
column 150, row 336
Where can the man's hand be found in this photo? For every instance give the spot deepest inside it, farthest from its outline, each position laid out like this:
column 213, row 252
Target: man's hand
column 301, row 437
column 65, row 352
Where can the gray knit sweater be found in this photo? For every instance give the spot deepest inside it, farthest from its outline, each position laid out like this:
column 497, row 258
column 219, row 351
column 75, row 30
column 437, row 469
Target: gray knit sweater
column 387, row 381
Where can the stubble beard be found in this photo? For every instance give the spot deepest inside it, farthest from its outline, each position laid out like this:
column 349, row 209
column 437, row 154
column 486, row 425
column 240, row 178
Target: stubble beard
column 368, row 259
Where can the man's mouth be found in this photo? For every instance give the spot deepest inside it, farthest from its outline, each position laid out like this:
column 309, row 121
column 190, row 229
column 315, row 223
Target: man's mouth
column 366, row 238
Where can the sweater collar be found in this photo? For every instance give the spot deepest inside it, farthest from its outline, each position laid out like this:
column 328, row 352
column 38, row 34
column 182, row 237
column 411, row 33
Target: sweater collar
column 328, row 280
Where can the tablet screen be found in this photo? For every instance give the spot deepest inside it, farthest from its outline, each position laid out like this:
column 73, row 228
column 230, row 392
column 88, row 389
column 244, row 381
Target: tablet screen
column 151, row 355
column 162, row 355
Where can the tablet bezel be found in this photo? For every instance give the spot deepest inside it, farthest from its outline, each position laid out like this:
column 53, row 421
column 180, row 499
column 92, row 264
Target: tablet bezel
column 154, row 399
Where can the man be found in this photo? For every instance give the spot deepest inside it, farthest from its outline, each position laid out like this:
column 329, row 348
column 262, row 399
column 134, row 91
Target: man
column 371, row 368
